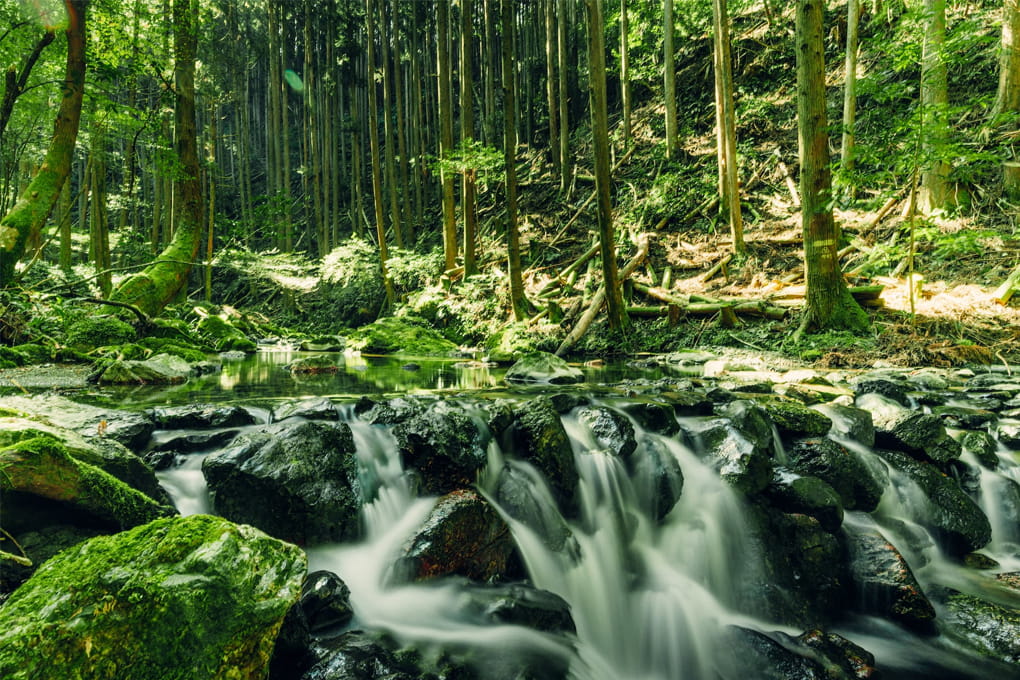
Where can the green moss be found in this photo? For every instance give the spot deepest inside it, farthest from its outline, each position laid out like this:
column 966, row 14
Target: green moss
column 399, row 335
column 194, row 598
column 518, row 339
column 224, row 336
column 236, row 344
column 99, row 331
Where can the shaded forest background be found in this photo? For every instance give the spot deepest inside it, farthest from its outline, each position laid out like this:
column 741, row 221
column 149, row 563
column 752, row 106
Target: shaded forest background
column 299, row 103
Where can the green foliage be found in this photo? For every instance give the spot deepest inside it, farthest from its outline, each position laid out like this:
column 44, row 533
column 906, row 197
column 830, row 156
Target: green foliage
column 399, row 335
column 811, row 347
column 98, row 331
column 515, row 340
column 486, row 161
column 410, row 272
column 468, row 314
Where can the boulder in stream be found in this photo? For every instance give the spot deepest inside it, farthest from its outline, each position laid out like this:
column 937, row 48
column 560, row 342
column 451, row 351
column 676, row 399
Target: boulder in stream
column 739, row 446
column 794, row 419
column 884, row 583
column 791, row 492
column 463, row 535
column 444, row 444
column 297, row 482
column 161, row 369
column 543, row 367
column 201, row 417
column 989, row 628
column 536, row 435
column 612, row 431
column 316, row 408
column 190, row 598
column 840, row 467
column 128, row 428
column 657, row 476
column 944, row 508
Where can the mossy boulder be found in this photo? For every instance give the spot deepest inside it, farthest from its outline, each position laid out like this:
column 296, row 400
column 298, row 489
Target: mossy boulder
column 190, row 598
column 841, row 468
column 611, row 431
column 178, row 347
column 949, row 513
column 884, row 584
column 162, row 369
column 444, row 445
column 543, row 367
column 982, row 446
column 517, row 340
column 657, row 476
column 46, row 484
column 791, row 492
column 223, row 335
column 296, row 482
column 313, row 364
column 795, row 419
column 399, row 335
column 98, row 331
column 739, row 446
column 991, row 629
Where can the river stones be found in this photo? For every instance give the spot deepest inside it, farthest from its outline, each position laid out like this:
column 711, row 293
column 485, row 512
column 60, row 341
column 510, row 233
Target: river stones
column 462, row 535
column 922, row 435
column 982, row 446
column 161, row 369
column 884, row 583
column 520, row 604
column 525, row 497
column 295, row 482
column 190, row 598
column 323, row 607
column 850, row 422
column 316, row 408
column 444, row 445
column 656, row 416
column 201, row 417
column 658, row 479
column 991, row 629
column 797, row 420
column 749, row 650
column 543, row 367
column 739, row 445
column 611, row 430
column 840, row 467
column 943, row 507
column 536, row 435
column 795, row 493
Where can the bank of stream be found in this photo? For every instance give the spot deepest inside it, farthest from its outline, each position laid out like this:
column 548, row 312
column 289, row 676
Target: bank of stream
column 690, row 516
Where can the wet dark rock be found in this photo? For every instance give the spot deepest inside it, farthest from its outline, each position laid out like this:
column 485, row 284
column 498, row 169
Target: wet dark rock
column 357, row 655
column 657, row 476
column 841, row 468
column 979, row 561
column 803, row 576
column 319, row 408
column 840, row 657
column 39, row 546
column 160, row 460
column 887, row 388
column 323, row 607
column 991, row 629
column 387, row 412
column 884, row 583
column 687, row 403
column 295, row 482
column 982, row 381
column 720, row 395
column 613, row 431
column 851, row 422
column 961, row 417
column 750, row 653
column 128, row 428
column 194, row 441
column 161, row 369
column 955, row 519
column 1008, row 435
column 794, row 493
column 543, row 367
column 740, row 462
column 520, row 604
column 655, row 416
column 565, row 402
column 201, row 417
column 794, row 419
column 982, row 446
column 922, row 435
column 444, row 444
column 537, row 435
column 519, row 495
column 463, row 535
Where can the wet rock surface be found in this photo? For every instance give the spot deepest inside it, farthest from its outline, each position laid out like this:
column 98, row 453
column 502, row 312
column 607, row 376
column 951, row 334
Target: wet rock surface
column 884, row 583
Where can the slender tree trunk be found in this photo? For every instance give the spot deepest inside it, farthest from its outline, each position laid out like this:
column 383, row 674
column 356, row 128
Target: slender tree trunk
column 517, row 300
column 934, row 105
column 491, row 72
column 210, row 232
column 28, row 216
column 1007, row 99
column 625, row 71
column 65, row 227
column 446, row 134
column 390, row 137
column 669, row 80
column 850, row 94
column 99, row 234
column 729, row 188
column 550, row 83
column 564, row 109
column 467, row 135
column 373, row 138
column 15, row 83
column 286, row 204
column 357, row 226
column 615, row 309
column 152, row 289
column 829, row 303
column 402, row 148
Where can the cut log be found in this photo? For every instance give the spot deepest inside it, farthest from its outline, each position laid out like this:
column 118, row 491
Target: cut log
column 1005, row 291
column 707, row 276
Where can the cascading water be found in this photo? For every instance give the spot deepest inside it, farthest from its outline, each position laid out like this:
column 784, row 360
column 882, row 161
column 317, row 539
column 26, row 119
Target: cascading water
column 653, row 592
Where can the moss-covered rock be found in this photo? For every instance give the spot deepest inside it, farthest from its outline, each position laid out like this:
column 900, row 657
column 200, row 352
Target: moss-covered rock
column 313, row 364
column 98, row 331
column 991, row 629
column 162, row 369
column 399, row 335
column 444, row 444
column 296, row 482
column 791, row 492
column 193, row 598
column 739, row 446
column 178, row 347
column 224, row 335
column 517, row 340
column 841, row 468
column 884, row 583
column 41, row 471
column 795, row 419
column 543, row 367
column 536, row 434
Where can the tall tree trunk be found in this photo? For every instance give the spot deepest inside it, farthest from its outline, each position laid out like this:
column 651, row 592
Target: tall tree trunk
column 28, row 216
column 514, row 267
column 467, row 135
column 564, row 109
column 549, row 12
column 1007, row 99
column 405, row 169
column 446, row 134
column 829, row 303
column 729, row 188
column 287, row 215
column 14, row 82
column 625, row 71
column 853, row 8
column 373, row 139
column 389, row 147
column 491, row 72
column 210, row 232
column 600, row 132
column 152, row 289
column 99, row 233
column 934, row 105
column 669, row 80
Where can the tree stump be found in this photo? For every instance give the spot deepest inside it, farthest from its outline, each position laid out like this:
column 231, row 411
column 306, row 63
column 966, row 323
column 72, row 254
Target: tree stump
column 1011, row 180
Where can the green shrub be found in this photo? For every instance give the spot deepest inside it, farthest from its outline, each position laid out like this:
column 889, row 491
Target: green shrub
column 98, row 331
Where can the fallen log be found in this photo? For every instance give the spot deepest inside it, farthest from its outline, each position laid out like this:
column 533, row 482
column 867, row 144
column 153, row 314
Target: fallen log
column 755, row 308
column 1005, row 291
column 600, row 298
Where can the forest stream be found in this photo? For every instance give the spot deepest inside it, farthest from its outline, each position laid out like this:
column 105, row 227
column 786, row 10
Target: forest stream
column 646, row 523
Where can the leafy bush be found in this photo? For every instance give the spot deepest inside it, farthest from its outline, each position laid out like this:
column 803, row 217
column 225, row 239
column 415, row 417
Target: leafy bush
column 98, row 331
